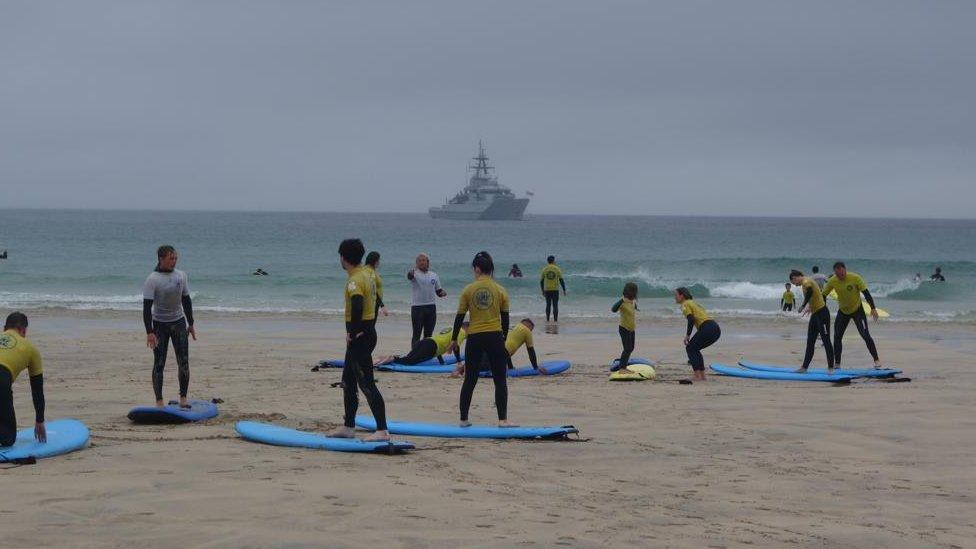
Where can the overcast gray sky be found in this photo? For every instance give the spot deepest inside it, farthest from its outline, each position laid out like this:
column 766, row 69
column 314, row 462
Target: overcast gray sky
column 685, row 107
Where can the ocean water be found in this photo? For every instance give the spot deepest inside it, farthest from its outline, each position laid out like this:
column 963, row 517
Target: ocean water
column 735, row 266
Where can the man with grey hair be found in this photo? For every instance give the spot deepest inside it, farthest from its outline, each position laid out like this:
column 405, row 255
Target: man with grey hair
column 423, row 305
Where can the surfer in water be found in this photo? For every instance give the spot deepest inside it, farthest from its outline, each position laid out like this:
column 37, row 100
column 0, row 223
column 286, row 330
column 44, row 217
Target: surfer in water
column 708, row 331
column 373, row 269
column 487, row 303
column 849, row 287
column 515, row 272
column 937, row 275
column 167, row 315
column 429, row 347
column 357, row 373
column 819, row 326
column 16, row 355
column 626, row 307
column 550, row 279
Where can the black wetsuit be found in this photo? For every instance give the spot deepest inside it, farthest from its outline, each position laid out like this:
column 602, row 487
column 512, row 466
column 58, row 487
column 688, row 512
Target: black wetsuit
column 8, row 417
column 166, row 331
column 628, row 338
column 481, row 347
column 423, row 318
column 819, row 326
column 707, row 334
column 860, row 322
column 357, row 374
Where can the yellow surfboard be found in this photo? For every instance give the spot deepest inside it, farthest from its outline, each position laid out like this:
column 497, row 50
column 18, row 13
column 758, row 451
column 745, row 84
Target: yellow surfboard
column 638, row 372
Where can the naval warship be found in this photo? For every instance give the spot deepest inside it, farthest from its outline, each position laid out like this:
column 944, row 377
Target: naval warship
column 484, row 198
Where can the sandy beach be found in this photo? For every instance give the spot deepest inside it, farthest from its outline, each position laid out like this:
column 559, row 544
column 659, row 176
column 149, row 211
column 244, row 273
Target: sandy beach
column 729, row 462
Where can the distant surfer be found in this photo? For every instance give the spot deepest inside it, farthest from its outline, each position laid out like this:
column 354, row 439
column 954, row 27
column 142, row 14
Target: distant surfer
column 550, row 279
column 788, row 300
column 819, row 325
column 423, row 304
column 487, row 303
column 373, row 269
column 515, row 271
column 818, row 277
column 937, row 275
column 167, row 314
column 708, row 331
column 626, row 307
column 428, row 348
column 260, row 272
column 849, row 287
column 918, row 278
column 360, row 316
column 3, row 255
column 16, row 355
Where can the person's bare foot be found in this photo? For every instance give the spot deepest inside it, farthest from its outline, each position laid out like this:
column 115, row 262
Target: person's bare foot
column 343, row 432
column 184, row 403
column 378, row 436
column 160, row 404
column 800, row 371
column 877, row 365
column 625, row 370
column 504, row 423
column 464, row 423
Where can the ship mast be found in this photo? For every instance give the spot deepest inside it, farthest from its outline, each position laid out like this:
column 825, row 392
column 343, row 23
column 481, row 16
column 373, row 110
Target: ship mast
column 481, row 167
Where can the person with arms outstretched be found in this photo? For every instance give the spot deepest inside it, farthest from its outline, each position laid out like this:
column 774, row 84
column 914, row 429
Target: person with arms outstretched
column 849, row 287
column 426, row 287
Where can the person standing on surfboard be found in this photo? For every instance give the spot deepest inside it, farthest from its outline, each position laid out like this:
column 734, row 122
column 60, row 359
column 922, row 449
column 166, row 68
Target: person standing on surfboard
column 357, row 373
column 372, row 269
column 550, row 279
column 626, row 307
column 849, row 287
column 819, row 326
column 167, row 315
column 16, row 355
column 429, row 347
column 487, row 302
column 708, row 331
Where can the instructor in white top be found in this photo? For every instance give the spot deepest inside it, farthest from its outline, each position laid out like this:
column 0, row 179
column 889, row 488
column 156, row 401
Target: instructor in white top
column 426, row 290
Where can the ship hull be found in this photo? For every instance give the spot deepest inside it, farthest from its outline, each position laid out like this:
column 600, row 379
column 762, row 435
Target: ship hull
column 500, row 209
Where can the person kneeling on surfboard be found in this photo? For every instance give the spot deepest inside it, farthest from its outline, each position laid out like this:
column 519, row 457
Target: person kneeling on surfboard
column 708, row 331
column 849, row 287
column 16, row 355
column 487, row 302
column 816, row 307
column 428, row 348
column 520, row 335
column 627, row 308
column 357, row 374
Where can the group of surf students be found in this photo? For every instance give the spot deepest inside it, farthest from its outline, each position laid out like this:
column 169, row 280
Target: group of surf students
column 482, row 323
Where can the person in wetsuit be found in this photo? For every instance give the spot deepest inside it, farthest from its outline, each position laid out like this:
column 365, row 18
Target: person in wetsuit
column 849, row 287
column 707, row 334
column 372, row 269
column 819, row 326
column 167, row 315
column 788, row 300
column 937, row 275
column 16, row 355
column 487, row 303
column 521, row 335
column 550, row 279
column 429, row 347
column 423, row 306
column 357, row 373
column 626, row 307
column 515, row 272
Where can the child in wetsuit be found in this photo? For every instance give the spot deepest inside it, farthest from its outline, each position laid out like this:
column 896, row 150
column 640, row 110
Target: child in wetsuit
column 627, row 308
column 788, row 298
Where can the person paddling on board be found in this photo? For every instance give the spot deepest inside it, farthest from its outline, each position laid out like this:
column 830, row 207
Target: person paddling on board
column 167, row 315
column 788, row 300
column 626, row 307
column 16, row 355
column 550, row 279
column 819, row 326
column 372, row 269
column 423, row 305
column 429, row 347
column 849, row 287
column 357, row 373
column 937, row 275
column 521, row 335
column 487, row 302
column 708, row 331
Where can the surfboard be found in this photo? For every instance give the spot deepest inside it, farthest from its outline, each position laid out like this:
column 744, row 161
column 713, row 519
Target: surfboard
column 615, row 363
column 475, row 431
column 417, row 369
column 863, row 372
column 275, row 435
column 63, row 436
column 448, row 359
column 553, row 367
column 172, row 413
column 637, row 372
column 779, row 376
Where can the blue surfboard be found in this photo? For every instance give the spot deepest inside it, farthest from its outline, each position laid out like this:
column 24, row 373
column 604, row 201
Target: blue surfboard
column 267, row 433
column 864, row 372
column 778, row 376
column 615, row 363
column 448, row 359
column 475, row 431
column 172, row 413
column 417, row 369
column 63, row 436
column 552, row 366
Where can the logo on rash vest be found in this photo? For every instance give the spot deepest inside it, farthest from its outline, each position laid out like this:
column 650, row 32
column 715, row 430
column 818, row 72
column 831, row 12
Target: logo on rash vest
column 351, row 286
column 483, row 299
column 850, row 287
column 551, row 275
column 7, row 341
